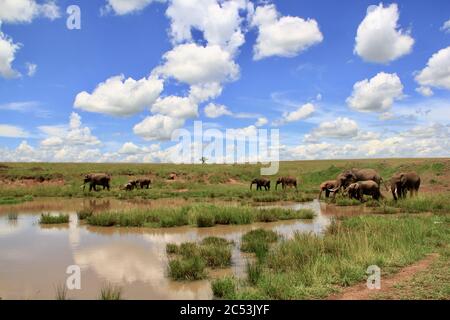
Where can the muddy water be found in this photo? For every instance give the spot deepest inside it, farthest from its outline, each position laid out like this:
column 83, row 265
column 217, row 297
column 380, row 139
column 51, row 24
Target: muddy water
column 34, row 258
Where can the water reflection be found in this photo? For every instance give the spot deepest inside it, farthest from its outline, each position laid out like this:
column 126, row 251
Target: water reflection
column 34, row 258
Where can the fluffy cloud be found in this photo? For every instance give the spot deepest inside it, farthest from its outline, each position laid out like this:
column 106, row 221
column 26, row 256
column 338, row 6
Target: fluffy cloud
column 205, row 91
column 194, row 64
column 378, row 38
column 24, row 11
column 8, row 51
column 72, row 135
column 302, row 112
column 282, row 36
column 261, row 121
column 10, row 131
column 377, row 94
column 122, row 7
column 425, row 91
column 119, row 97
column 446, row 26
column 338, row 129
column 157, row 127
column 437, row 72
column 220, row 21
column 213, row 110
column 178, row 107
column 31, row 69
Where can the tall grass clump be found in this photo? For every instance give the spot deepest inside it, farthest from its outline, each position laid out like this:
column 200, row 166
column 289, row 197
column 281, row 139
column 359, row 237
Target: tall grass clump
column 257, row 241
column 223, row 287
column 46, row 218
column 110, row 292
column 61, row 292
column 84, row 214
column 188, row 260
column 187, row 269
column 200, row 215
column 429, row 203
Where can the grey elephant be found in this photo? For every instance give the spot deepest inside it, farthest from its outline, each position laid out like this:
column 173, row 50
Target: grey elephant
column 348, row 177
column 402, row 182
column 286, row 182
column 357, row 190
column 95, row 179
column 260, row 183
column 143, row 182
column 326, row 186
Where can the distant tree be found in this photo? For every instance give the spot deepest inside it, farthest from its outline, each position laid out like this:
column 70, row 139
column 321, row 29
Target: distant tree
column 203, row 160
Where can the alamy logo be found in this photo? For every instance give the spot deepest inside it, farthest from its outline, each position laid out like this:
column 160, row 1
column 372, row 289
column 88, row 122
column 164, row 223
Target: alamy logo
column 374, row 278
column 74, row 19
column 73, row 282
column 249, row 145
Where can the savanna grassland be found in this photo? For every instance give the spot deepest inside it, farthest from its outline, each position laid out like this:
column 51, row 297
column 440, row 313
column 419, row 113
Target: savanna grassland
column 393, row 235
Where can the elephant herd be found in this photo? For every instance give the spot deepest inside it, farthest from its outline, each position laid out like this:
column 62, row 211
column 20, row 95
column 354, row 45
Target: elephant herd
column 104, row 180
column 356, row 183
column 359, row 182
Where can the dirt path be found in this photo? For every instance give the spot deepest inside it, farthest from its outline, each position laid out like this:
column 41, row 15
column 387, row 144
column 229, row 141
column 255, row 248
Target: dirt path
column 361, row 292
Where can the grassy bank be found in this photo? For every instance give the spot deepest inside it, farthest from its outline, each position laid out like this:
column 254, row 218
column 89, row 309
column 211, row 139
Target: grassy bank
column 200, row 215
column 309, row 266
column 201, row 181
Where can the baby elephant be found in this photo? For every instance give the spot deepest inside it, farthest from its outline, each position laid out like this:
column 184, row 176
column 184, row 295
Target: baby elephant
column 286, row 182
column 358, row 189
column 129, row 186
column 260, row 183
column 327, row 186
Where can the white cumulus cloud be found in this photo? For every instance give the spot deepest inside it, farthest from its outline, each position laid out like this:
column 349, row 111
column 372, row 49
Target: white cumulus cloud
column 379, row 39
column 213, row 110
column 436, row 74
column 8, row 50
column 24, row 11
column 123, row 7
column 178, row 107
column 283, row 36
column 119, row 96
column 219, row 21
column 195, row 64
column 377, row 94
column 10, row 131
column 302, row 112
column 157, row 127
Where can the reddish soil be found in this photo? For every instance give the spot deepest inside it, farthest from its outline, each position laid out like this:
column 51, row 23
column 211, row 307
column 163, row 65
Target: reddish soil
column 361, row 292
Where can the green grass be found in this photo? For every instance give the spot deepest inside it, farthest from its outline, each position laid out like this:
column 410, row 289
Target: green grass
column 189, row 260
column 110, row 292
column 84, row 214
column 202, row 181
column 187, row 269
column 200, row 215
column 344, row 202
column 430, row 284
column 15, row 200
column 313, row 267
column 439, row 203
column 51, row 219
column 223, row 287
column 257, row 241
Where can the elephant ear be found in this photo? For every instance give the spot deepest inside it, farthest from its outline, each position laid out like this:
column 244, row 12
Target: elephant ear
column 403, row 179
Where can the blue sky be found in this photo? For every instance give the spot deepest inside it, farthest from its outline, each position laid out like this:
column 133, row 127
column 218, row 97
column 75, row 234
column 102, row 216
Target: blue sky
column 347, row 79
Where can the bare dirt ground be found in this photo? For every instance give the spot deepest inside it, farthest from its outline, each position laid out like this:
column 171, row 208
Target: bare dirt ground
column 361, row 292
